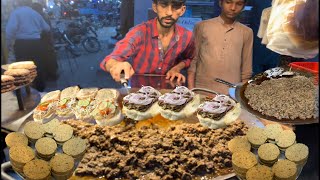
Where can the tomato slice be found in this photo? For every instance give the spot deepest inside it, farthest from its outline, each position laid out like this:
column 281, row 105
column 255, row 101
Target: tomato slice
column 42, row 108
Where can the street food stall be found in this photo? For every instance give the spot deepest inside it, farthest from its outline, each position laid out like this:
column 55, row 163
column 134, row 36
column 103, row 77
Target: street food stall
column 115, row 140
column 153, row 128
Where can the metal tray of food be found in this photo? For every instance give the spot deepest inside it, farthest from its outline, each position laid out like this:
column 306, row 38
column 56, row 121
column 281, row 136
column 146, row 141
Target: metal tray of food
column 240, row 97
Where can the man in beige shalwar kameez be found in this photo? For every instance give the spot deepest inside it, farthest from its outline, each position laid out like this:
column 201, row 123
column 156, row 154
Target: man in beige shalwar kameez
column 223, row 50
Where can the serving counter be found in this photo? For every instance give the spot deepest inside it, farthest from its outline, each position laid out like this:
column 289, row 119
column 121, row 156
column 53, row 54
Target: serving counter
column 307, row 134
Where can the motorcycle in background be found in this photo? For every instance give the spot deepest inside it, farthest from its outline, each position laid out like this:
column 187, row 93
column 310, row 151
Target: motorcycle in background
column 82, row 32
column 61, row 39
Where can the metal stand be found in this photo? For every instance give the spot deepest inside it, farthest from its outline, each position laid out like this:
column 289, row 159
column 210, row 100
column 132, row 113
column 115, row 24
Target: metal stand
column 19, row 99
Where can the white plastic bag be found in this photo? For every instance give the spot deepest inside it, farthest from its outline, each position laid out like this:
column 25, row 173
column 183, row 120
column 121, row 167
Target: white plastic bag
column 293, row 28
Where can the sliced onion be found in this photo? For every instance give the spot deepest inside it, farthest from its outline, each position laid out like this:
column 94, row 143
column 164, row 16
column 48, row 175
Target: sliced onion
column 214, row 107
column 173, row 99
column 274, row 72
column 138, row 98
column 182, row 90
column 149, row 91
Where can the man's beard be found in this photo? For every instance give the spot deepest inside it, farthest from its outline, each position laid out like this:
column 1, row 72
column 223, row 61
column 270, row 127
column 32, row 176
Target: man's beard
column 167, row 25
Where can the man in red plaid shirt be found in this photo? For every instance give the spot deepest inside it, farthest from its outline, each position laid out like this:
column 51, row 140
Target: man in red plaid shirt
column 158, row 46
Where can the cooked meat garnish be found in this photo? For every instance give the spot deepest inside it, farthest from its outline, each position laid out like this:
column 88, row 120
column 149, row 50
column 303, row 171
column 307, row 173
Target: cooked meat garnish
column 184, row 151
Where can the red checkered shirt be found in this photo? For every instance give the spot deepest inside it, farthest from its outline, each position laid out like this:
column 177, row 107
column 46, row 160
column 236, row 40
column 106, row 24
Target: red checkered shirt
column 141, row 45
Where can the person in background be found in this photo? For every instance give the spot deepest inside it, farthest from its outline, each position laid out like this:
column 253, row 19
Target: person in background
column 223, row 50
column 126, row 18
column 23, row 33
column 50, row 62
column 158, row 46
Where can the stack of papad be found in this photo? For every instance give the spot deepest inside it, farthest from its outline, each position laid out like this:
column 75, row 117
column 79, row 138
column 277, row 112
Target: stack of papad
column 75, row 147
column 242, row 161
column 19, row 155
column 62, row 166
column 50, row 126
column 16, row 138
column 268, row 154
column 284, row 169
column 46, row 148
column 37, row 169
column 62, row 133
column 34, row 131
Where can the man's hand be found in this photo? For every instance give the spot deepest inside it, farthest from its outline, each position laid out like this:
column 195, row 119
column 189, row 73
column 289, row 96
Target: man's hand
column 116, row 67
column 175, row 73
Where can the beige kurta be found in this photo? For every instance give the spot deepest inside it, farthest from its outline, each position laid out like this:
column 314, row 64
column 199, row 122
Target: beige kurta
column 221, row 52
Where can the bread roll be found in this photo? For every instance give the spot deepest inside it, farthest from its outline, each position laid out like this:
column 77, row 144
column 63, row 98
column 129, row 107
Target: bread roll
column 87, row 93
column 142, row 104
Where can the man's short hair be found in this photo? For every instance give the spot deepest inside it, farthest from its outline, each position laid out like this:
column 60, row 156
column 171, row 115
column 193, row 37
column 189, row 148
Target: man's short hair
column 245, row 1
column 176, row 2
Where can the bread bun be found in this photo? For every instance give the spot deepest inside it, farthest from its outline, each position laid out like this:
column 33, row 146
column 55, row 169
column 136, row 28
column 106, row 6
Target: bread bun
column 138, row 116
column 22, row 65
column 67, row 102
column 107, row 93
column 69, row 92
column 302, row 32
column 116, row 119
column 142, row 104
column 43, row 116
column 187, row 111
column 87, row 93
column 51, row 96
column 107, row 113
column 179, row 103
column 64, row 107
column 222, row 110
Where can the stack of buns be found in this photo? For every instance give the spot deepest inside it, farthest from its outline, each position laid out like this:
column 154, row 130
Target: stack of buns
column 285, row 169
column 29, row 65
column 7, row 83
column 21, row 76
